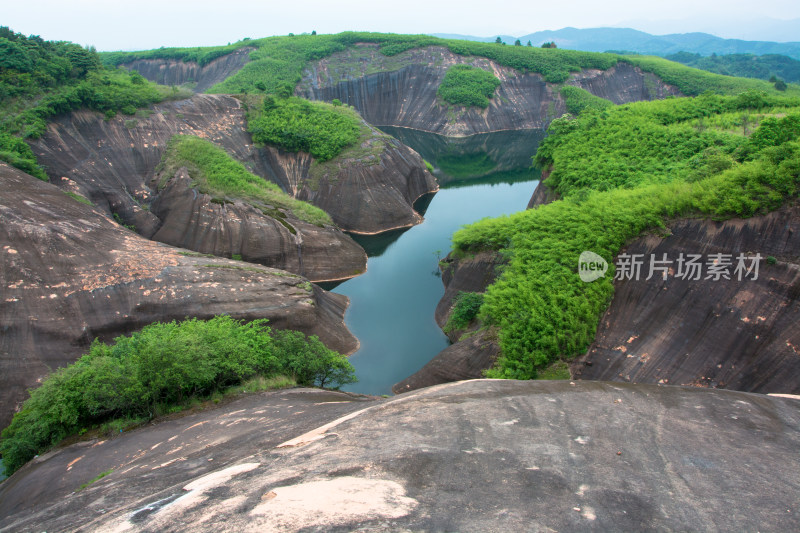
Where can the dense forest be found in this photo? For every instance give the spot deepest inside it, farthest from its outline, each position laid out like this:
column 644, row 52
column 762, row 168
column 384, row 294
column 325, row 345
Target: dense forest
column 772, row 67
column 41, row 79
column 620, row 171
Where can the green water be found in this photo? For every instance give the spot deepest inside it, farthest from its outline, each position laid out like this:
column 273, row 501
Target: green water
column 392, row 304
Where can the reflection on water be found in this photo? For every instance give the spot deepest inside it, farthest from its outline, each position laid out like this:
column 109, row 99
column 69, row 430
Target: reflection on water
column 502, row 157
column 392, row 304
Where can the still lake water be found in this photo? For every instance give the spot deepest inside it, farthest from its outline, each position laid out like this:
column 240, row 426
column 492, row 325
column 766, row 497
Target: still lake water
column 392, row 305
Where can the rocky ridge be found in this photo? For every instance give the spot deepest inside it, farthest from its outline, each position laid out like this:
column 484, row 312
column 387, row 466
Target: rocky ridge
column 70, row 275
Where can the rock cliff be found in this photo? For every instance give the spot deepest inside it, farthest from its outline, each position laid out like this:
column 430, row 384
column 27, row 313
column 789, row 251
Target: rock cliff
column 201, row 78
column 70, row 274
column 368, row 189
column 732, row 334
column 401, row 90
column 113, row 164
column 472, row 456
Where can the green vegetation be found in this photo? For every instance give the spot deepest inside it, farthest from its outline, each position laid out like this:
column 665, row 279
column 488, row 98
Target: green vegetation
column 465, row 309
column 692, row 82
column 159, row 369
column 321, row 129
column 577, row 99
column 217, row 174
column 622, row 171
column 468, row 86
column 97, row 478
column 79, row 198
column 41, row 79
column 744, row 65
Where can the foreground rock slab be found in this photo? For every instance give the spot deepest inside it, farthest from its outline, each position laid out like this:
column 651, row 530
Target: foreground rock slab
column 479, row 455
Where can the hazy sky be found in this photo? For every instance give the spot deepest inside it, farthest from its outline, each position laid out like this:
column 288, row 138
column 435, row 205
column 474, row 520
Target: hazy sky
column 150, row 24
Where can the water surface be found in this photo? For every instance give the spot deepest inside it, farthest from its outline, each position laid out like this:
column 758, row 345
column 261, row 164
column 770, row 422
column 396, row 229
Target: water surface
column 392, row 305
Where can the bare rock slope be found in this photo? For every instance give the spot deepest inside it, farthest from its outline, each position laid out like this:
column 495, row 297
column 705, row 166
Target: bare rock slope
column 176, row 72
column 740, row 335
column 69, row 274
column 470, row 456
column 401, row 90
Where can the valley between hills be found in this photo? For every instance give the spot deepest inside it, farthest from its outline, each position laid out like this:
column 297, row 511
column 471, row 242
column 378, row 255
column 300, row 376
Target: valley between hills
column 180, row 227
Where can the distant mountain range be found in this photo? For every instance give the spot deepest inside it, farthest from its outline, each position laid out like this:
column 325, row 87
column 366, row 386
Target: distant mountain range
column 626, row 39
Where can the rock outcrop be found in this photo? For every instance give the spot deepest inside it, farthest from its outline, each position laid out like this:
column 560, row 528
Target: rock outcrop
column 176, row 72
column 113, row 163
column 366, row 190
column 403, row 92
column 468, row 358
column 69, row 274
column 471, row 456
column 732, row 334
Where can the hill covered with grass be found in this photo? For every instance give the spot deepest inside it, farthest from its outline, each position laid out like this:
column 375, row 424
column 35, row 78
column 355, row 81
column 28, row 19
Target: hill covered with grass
column 621, row 171
column 277, row 63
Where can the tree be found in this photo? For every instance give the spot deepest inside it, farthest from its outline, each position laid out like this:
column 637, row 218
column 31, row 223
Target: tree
column 517, row 43
column 529, row 44
column 498, row 41
column 550, row 44
column 780, row 85
column 314, row 32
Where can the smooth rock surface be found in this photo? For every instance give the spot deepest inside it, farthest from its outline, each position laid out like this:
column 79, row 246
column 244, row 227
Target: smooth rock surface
column 176, row 72
column 69, row 274
column 469, row 456
column 404, row 93
column 742, row 335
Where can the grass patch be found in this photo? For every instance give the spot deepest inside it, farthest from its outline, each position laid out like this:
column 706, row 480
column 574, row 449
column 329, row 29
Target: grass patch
column 557, row 370
column 95, row 480
column 216, row 173
column 577, row 99
column 468, row 86
column 79, row 198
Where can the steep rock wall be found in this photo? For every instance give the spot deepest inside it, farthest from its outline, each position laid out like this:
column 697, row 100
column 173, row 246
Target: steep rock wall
column 113, row 163
column 69, row 274
column 176, row 72
column 405, row 93
column 741, row 335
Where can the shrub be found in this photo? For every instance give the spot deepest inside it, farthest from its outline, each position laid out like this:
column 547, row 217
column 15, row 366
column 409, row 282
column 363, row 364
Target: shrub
column 158, row 369
column 467, row 305
column 468, row 86
column 321, row 129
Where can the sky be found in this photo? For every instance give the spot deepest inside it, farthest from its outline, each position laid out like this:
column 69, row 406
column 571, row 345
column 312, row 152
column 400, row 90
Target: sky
column 146, row 24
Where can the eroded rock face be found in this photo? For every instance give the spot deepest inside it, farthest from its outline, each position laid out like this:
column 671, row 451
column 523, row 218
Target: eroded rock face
column 69, row 274
column 176, row 72
column 113, row 163
column 486, row 455
column 405, row 95
column 371, row 193
column 741, row 335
